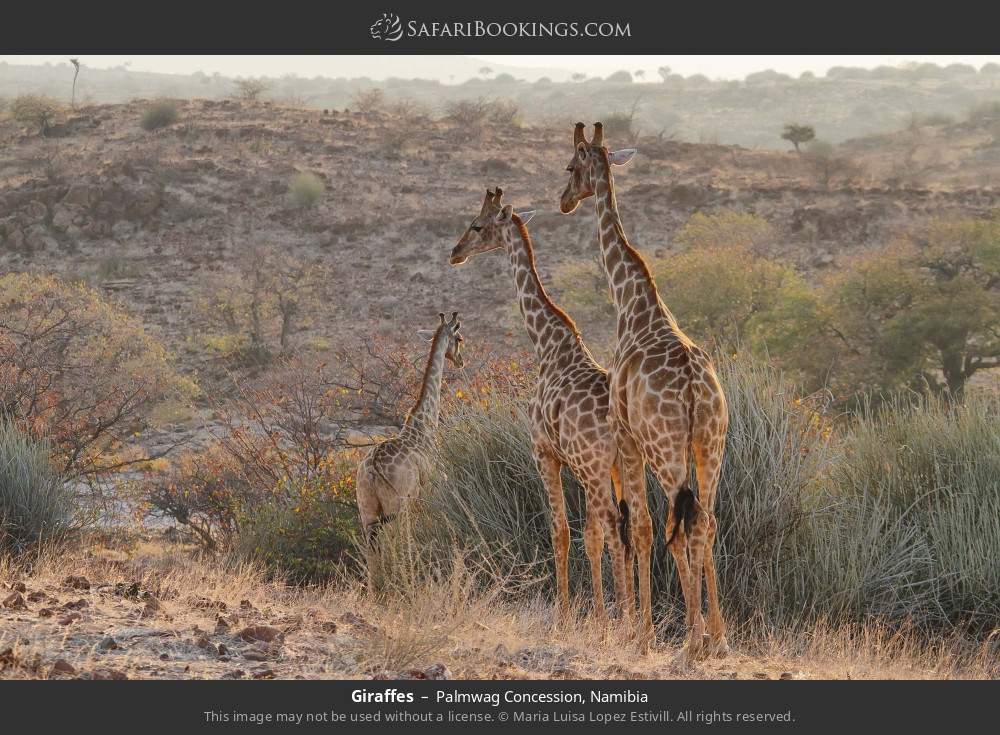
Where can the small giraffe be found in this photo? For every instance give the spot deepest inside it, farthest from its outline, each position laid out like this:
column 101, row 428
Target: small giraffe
column 666, row 402
column 396, row 469
column 569, row 407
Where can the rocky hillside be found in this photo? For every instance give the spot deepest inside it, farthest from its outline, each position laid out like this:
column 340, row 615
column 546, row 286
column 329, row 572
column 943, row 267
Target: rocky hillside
column 151, row 216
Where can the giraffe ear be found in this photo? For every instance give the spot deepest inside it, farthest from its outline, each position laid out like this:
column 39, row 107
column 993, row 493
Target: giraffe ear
column 526, row 215
column 504, row 214
column 426, row 334
column 620, row 158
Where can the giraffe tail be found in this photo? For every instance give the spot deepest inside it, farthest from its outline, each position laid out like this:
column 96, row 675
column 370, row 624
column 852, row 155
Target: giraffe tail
column 623, row 526
column 685, row 510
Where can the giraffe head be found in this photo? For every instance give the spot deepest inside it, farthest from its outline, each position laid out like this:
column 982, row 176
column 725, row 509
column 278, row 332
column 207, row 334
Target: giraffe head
column 492, row 228
column 583, row 167
column 447, row 330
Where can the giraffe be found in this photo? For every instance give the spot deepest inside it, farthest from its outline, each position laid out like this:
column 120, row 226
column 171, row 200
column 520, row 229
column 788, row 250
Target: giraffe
column 568, row 409
column 666, row 404
column 394, row 471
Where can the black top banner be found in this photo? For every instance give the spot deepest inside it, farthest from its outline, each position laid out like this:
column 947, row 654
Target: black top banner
column 398, row 27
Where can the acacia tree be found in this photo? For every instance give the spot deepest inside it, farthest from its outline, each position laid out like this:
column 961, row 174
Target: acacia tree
column 924, row 312
column 797, row 134
column 78, row 371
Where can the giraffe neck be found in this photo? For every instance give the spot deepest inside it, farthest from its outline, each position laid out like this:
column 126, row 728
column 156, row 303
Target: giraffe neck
column 549, row 328
column 632, row 286
column 423, row 417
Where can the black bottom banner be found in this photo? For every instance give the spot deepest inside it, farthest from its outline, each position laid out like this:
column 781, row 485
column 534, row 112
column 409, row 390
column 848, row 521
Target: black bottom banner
column 549, row 706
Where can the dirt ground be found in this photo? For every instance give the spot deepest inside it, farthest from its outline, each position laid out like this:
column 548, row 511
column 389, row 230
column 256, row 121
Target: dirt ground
column 156, row 611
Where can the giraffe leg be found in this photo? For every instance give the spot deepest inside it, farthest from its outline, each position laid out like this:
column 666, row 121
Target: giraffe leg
column 679, row 546
column 708, row 464
column 593, row 539
column 549, row 468
column 634, row 478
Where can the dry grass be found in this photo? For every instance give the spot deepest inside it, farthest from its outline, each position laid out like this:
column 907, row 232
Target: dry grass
column 161, row 604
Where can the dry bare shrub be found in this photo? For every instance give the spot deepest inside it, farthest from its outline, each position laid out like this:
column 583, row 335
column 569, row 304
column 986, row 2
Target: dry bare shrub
column 261, row 304
column 368, row 101
column 36, row 110
column 250, row 90
column 77, row 370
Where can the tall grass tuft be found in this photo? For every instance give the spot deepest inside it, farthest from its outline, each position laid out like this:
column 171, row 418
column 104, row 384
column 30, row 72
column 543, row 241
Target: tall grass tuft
column 36, row 507
column 892, row 518
column 922, row 481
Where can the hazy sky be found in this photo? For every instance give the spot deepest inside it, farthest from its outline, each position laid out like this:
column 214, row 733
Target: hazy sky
column 379, row 67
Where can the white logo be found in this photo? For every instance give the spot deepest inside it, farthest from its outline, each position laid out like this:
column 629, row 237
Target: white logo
column 387, row 28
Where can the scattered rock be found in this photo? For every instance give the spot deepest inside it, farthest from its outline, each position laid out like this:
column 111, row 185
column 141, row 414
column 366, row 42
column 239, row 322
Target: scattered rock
column 358, row 622
column 62, row 667
column 164, row 657
column 16, row 586
column 437, row 672
column 235, row 674
column 205, row 603
column 262, row 653
column 263, row 674
column 108, row 675
column 69, row 619
column 266, row 633
column 46, row 612
column 14, row 601
column 328, row 626
column 108, row 644
column 36, row 596
column 223, row 623
column 786, row 675
column 76, row 604
column 222, row 650
column 76, row 582
column 203, row 642
column 760, row 675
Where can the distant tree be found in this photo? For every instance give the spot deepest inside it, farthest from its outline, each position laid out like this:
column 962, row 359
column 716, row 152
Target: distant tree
column 797, row 134
column 578, row 77
column 990, row 68
column 76, row 73
column 619, row 76
column 925, row 307
column 639, row 74
column 664, row 72
column 250, row 90
column 504, row 78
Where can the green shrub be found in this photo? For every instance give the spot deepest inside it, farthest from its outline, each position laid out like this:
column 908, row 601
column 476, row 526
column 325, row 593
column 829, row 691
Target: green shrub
column 305, row 533
column 305, row 189
column 158, row 115
column 36, row 506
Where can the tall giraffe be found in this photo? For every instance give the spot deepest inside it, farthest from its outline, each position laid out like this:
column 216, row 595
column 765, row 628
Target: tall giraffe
column 395, row 470
column 666, row 401
column 568, row 409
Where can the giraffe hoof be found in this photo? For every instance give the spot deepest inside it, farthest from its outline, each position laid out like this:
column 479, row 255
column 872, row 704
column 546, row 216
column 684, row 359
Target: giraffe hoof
column 719, row 648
